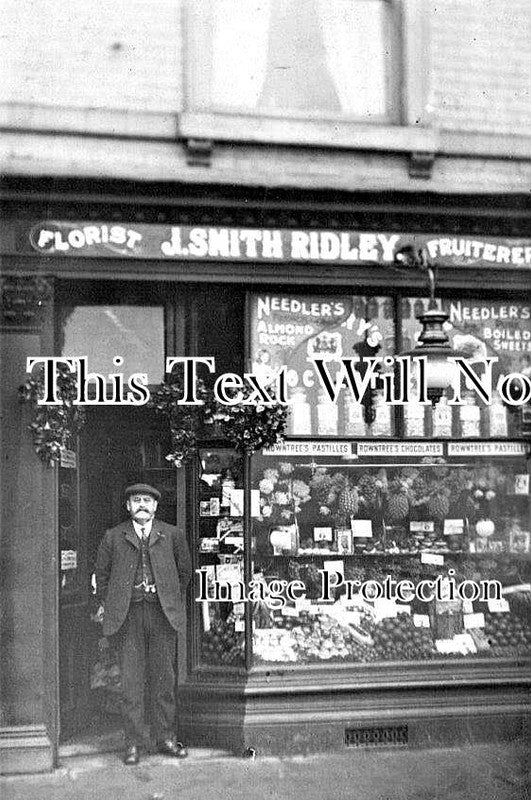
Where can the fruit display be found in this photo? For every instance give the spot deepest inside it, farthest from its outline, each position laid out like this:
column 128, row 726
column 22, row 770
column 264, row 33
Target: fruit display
column 397, row 638
column 397, row 502
column 222, row 644
column 310, row 638
column 506, row 631
column 348, row 503
column 392, row 498
column 415, row 520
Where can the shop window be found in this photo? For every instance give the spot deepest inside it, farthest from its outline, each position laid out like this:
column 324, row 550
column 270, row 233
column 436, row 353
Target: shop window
column 101, row 332
column 477, row 328
column 351, row 518
column 346, row 529
column 325, row 58
column 218, row 553
column 295, row 331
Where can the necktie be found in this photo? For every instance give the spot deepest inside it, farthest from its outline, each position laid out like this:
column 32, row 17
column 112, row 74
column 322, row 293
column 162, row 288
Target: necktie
column 144, row 534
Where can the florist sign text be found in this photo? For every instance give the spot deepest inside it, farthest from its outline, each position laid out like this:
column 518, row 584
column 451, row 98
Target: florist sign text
column 187, row 243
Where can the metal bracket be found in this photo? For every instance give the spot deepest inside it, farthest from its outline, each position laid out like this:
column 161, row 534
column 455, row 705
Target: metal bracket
column 421, row 165
column 199, row 152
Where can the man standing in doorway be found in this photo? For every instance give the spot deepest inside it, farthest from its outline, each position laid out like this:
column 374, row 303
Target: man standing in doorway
column 142, row 570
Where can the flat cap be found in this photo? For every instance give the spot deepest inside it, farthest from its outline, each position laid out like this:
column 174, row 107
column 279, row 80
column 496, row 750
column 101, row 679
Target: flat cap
column 142, row 488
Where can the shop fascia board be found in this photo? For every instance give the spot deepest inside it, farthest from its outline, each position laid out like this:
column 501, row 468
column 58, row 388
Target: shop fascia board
column 259, row 130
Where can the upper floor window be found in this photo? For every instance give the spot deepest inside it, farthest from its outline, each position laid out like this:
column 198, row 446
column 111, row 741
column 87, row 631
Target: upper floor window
column 320, row 59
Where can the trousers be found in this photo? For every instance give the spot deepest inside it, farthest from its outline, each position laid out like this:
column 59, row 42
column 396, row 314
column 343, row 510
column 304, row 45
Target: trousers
column 146, row 648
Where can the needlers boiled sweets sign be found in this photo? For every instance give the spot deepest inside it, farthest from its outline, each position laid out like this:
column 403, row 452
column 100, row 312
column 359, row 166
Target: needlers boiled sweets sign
column 187, row 243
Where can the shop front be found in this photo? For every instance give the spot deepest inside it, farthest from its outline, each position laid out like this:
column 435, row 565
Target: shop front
column 293, row 643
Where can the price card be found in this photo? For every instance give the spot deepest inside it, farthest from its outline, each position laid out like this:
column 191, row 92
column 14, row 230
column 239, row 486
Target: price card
column 68, row 559
column 432, row 558
column 303, row 604
column 474, row 621
column 500, row 606
column 208, row 545
column 68, row 458
column 468, row 607
column 239, row 625
column 453, row 527
column 323, row 534
column 465, row 643
column 235, row 541
column 289, row 611
column 520, row 587
column 446, row 646
column 521, row 484
column 361, row 528
column 418, row 526
column 421, row 621
column 238, row 609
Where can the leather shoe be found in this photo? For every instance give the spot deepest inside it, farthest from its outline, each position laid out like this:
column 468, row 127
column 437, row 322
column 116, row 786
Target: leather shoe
column 131, row 755
column 171, row 748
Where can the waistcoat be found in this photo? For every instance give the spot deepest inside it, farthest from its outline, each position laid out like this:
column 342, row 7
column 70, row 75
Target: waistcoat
column 144, row 583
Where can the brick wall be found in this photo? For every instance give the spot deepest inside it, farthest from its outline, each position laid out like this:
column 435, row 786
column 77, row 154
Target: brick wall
column 127, row 55
column 111, row 54
column 481, row 65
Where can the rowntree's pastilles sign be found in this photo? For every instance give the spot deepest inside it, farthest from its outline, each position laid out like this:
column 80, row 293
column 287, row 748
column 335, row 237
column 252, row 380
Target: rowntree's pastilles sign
column 187, row 243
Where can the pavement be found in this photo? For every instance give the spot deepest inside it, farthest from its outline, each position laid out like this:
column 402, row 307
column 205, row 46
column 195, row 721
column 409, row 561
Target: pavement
column 470, row 772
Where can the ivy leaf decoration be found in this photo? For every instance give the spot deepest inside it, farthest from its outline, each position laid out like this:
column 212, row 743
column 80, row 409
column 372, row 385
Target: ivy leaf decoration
column 53, row 426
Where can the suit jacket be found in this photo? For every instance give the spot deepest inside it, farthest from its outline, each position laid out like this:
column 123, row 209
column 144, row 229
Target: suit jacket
column 116, row 564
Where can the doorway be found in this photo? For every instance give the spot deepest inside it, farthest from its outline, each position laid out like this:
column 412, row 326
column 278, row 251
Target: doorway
column 118, row 446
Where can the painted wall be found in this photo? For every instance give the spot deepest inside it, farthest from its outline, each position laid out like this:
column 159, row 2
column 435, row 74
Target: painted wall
column 127, row 55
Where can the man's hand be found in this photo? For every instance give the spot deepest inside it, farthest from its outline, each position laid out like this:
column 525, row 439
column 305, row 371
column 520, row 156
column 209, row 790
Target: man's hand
column 98, row 616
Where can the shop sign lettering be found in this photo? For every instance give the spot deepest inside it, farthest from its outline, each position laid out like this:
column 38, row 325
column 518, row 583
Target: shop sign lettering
column 188, row 243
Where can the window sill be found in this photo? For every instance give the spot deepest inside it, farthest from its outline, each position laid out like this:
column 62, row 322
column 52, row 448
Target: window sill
column 311, row 133
column 341, row 134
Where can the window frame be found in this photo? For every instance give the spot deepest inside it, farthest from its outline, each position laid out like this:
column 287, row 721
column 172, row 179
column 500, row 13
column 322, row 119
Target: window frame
column 409, row 131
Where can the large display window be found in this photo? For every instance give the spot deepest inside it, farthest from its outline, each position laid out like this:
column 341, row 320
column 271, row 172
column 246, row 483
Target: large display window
column 360, row 542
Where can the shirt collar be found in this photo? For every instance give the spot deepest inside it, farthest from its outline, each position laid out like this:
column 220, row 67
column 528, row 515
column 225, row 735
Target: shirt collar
column 138, row 528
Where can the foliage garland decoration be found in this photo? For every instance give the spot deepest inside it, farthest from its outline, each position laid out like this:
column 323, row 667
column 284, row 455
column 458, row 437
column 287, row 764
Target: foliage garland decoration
column 53, row 426
column 185, row 421
column 247, row 426
column 251, row 426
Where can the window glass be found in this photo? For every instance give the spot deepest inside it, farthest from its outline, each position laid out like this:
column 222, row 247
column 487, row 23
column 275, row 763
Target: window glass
column 136, row 333
column 218, row 556
column 295, row 330
column 451, row 521
column 478, row 329
column 328, row 58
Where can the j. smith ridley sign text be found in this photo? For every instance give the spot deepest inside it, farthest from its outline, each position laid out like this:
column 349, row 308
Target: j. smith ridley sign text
column 186, row 243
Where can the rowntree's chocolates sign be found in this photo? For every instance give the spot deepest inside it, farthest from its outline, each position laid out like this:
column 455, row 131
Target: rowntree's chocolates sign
column 187, row 243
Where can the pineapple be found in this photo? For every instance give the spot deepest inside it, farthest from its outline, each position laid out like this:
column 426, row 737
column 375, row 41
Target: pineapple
column 347, row 504
column 369, row 494
column 419, row 491
column 439, row 502
column 397, row 502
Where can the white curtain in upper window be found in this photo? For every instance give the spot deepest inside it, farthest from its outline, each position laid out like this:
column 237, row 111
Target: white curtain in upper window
column 239, row 52
column 355, row 33
column 309, row 58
